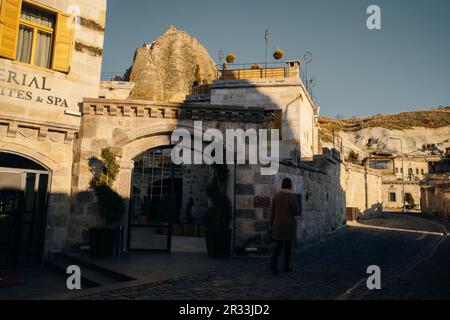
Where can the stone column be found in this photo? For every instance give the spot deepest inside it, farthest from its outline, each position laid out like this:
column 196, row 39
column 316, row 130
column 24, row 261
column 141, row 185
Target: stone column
column 123, row 187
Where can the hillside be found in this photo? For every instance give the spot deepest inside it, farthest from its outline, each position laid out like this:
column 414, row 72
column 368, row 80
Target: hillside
column 364, row 135
column 431, row 119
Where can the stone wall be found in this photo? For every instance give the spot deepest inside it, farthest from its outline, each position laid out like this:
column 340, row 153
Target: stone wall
column 44, row 127
column 436, row 196
column 130, row 128
column 363, row 188
column 298, row 131
column 319, row 191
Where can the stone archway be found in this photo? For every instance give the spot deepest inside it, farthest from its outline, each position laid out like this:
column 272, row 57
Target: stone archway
column 33, row 155
column 24, row 189
column 139, row 143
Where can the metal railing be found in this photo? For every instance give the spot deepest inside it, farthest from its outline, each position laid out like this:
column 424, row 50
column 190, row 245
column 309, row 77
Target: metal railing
column 277, row 70
column 241, row 71
column 112, row 76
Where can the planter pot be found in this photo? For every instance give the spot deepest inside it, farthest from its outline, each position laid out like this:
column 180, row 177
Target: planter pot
column 104, row 241
column 143, row 220
column 188, row 230
column 177, row 229
column 218, row 243
column 201, row 231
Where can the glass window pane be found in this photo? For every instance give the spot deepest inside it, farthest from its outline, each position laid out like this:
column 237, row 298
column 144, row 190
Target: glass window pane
column 37, row 15
column 25, row 44
column 30, row 194
column 44, row 49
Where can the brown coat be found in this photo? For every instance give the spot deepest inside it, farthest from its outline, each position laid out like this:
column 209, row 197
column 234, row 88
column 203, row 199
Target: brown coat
column 284, row 209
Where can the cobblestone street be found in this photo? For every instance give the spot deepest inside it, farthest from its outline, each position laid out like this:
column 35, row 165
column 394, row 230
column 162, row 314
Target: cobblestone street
column 413, row 265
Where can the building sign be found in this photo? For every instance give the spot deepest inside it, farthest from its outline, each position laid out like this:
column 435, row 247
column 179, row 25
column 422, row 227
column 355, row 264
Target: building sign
column 9, row 80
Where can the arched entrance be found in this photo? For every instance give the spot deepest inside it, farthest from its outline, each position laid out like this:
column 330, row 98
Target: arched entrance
column 164, row 214
column 24, row 186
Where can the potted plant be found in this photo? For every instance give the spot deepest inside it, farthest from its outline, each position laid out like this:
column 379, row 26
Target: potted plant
column 218, row 215
column 104, row 239
column 231, row 58
column 255, row 66
column 278, row 54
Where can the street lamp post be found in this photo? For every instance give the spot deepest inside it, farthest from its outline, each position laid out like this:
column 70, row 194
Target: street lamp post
column 266, row 38
column 403, row 172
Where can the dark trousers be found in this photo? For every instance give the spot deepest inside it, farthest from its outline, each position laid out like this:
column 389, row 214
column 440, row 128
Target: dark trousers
column 287, row 253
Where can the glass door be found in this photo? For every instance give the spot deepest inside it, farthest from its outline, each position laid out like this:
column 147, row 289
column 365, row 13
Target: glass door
column 155, row 201
column 23, row 206
column 10, row 198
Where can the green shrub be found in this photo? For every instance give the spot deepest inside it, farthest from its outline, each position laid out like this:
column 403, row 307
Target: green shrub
column 231, row 58
column 219, row 213
column 111, row 204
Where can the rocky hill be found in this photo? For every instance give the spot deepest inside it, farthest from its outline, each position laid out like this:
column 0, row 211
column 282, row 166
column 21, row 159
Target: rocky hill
column 165, row 69
column 364, row 135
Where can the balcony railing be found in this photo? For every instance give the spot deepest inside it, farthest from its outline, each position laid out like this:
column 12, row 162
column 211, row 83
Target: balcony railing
column 273, row 70
column 112, row 76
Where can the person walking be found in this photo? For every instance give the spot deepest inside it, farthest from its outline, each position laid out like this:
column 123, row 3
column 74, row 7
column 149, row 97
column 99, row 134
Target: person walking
column 284, row 209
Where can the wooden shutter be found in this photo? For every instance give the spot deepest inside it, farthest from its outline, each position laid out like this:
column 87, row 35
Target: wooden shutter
column 63, row 43
column 9, row 27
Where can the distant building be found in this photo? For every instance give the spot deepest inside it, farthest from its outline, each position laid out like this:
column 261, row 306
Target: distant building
column 399, row 174
column 436, row 188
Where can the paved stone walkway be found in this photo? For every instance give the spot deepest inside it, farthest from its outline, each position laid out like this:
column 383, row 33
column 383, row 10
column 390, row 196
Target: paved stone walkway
column 325, row 270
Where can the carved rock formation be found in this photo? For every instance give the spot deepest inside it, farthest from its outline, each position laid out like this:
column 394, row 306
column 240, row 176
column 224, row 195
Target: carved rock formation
column 165, row 69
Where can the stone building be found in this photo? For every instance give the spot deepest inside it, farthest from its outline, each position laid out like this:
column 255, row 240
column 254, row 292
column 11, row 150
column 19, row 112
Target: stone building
column 49, row 61
column 135, row 130
column 401, row 175
column 436, row 188
column 56, row 115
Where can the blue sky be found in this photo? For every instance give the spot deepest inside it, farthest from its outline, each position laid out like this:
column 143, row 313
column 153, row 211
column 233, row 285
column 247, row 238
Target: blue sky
column 404, row 66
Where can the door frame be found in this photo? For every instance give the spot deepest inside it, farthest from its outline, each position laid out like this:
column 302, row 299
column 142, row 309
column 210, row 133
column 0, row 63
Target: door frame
column 168, row 226
column 43, row 235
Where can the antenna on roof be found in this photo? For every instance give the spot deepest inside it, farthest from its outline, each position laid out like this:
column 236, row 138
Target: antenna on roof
column 266, row 38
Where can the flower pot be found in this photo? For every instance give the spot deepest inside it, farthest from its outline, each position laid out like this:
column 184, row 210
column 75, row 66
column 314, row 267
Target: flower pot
column 143, row 220
column 177, row 229
column 188, row 230
column 218, row 243
column 103, row 241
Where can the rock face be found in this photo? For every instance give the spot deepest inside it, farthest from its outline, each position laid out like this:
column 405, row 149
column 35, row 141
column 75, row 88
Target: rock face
column 415, row 129
column 165, row 69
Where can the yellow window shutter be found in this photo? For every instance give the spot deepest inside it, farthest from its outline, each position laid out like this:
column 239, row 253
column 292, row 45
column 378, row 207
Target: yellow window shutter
column 9, row 27
column 63, row 43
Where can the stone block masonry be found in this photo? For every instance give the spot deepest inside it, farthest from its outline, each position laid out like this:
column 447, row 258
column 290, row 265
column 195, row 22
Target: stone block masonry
column 320, row 195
